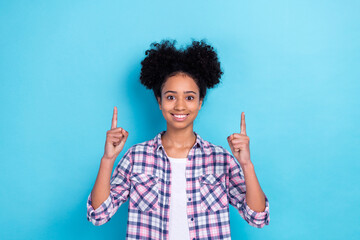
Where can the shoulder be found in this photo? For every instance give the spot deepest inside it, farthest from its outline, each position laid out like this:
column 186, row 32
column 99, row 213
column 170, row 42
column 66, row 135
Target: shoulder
column 211, row 149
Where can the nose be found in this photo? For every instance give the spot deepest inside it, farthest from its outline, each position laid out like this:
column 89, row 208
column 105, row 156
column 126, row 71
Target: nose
column 180, row 105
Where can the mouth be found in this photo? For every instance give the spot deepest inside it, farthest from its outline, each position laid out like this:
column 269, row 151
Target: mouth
column 179, row 117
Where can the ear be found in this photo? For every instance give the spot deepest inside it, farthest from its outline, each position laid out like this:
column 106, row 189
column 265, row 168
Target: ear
column 159, row 102
column 201, row 101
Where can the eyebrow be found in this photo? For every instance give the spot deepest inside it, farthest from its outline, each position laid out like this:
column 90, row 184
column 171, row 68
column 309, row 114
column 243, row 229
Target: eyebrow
column 184, row 92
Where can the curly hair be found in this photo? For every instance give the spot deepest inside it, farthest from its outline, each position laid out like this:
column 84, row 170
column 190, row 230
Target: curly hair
column 198, row 60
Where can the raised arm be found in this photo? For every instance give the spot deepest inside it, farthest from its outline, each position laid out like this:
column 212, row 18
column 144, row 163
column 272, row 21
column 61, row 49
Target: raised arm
column 108, row 193
column 255, row 198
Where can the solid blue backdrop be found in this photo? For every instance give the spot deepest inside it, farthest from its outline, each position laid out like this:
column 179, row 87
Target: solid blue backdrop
column 291, row 66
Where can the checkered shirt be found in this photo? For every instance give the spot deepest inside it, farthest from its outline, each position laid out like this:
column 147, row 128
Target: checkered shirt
column 213, row 180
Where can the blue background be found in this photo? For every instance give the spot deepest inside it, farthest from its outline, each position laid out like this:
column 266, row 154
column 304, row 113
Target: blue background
column 291, row 66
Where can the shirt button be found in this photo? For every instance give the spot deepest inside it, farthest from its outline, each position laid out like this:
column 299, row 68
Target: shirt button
column 189, row 199
column 192, row 219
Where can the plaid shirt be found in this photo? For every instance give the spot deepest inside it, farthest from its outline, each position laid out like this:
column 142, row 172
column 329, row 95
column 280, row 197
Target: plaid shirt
column 214, row 179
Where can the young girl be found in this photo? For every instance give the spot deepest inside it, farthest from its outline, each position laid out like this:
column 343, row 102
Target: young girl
column 179, row 185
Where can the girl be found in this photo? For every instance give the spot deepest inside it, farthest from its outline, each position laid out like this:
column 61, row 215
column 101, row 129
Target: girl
column 179, row 185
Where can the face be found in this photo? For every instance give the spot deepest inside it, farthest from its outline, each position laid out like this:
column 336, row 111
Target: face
column 180, row 101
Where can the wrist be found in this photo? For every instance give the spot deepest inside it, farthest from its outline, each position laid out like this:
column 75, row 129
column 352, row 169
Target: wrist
column 106, row 160
column 247, row 167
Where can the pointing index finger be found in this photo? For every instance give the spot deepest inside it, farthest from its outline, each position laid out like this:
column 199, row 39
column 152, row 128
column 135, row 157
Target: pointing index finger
column 114, row 119
column 242, row 124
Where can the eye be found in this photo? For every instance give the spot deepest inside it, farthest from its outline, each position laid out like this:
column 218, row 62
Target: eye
column 190, row 97
column 170, row 97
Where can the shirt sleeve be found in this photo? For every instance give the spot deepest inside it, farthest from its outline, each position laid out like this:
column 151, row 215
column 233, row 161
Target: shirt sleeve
column 119, row 193
column 236, row 191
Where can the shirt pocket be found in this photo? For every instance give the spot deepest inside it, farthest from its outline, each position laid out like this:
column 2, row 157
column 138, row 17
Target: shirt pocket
column 144, row 192
column 213, row 192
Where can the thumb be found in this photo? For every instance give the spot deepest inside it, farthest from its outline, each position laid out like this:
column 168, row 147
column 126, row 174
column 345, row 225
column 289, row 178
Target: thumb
column 122, row 142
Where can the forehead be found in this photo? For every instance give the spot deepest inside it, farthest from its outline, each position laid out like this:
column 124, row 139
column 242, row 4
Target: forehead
column 180, row 82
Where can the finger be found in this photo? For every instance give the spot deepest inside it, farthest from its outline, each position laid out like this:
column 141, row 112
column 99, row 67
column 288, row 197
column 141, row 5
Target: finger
column 114, row 139
column 126, row 134
column 122, row 136
column 236, row 141
column 240, row 145
column 122, row 142
column 229, row 139
column 232, row 146
column 229, row 142
column 235, row 147
column 242, row 124
column 118, row 136
column 114, row 119
column 116, row 130
column 119, row 133
column 239, row 136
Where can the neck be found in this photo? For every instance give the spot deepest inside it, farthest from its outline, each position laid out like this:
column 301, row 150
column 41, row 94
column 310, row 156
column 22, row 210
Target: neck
column 179, row 138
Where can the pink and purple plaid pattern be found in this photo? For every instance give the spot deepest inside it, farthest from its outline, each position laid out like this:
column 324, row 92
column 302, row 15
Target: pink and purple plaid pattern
column 214, row 180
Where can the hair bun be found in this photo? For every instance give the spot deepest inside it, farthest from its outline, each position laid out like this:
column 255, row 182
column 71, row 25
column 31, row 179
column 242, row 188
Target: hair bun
column 160, row 61
column 203, row 63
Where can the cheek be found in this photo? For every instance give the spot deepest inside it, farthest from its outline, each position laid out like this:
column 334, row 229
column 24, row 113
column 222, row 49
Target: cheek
column 195, row 106
column 166, row 107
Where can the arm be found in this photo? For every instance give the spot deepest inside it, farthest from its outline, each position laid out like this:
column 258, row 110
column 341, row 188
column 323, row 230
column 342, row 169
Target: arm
column 245, row 192
column 109, row 194
column 255, row 197
column 101, row 189
column 240, row 190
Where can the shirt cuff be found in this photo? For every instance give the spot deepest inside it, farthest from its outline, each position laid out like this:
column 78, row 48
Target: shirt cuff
column 256, row 219
column 100, row 215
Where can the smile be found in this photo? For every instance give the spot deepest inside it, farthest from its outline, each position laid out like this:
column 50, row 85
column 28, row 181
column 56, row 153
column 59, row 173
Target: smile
column 179, row 117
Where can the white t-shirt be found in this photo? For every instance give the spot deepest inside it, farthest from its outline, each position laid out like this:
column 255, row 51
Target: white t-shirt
column 178, row 229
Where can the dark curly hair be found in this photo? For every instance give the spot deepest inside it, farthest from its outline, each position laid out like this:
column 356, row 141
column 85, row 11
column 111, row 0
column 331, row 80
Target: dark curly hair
column 198, row 60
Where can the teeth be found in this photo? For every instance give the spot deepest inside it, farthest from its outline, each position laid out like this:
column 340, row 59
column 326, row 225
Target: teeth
column 180, row 116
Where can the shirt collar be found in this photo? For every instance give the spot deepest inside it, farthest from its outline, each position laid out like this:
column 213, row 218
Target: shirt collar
column 158, row 144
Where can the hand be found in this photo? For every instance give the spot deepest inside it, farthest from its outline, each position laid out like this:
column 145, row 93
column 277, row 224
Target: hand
column 115, row 139
column 239, row 143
